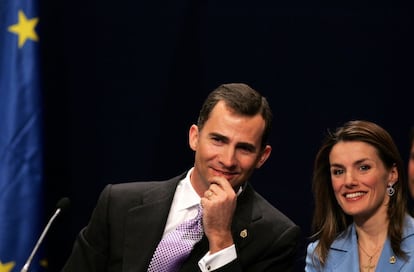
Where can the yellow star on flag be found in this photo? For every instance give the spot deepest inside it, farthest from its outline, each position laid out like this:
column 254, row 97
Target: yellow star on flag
column 25, row 29
column 6, row 267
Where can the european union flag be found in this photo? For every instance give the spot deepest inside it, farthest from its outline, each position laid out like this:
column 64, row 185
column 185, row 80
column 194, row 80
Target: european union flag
column 21, row 177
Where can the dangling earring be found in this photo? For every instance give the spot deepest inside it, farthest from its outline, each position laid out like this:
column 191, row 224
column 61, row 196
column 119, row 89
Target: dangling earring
column 390, row 190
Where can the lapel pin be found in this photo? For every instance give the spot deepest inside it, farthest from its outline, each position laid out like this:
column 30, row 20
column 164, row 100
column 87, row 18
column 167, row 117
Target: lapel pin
column 392, row 260
column 243, row 233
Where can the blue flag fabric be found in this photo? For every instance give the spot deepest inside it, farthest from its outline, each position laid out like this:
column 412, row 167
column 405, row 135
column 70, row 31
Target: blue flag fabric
column 21, row 158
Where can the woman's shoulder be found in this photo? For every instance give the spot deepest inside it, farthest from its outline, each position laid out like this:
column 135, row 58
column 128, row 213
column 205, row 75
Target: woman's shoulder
column 408, row 227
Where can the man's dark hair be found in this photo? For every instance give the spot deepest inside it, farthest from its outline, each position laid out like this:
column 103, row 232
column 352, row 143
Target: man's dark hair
column 243, row 100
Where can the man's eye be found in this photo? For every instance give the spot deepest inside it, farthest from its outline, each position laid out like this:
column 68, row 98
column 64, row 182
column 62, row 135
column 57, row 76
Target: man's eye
column 245, row 150
column 217, row 139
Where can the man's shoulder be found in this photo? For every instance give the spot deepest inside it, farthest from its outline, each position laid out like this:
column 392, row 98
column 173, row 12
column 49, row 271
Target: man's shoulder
column 274, row 214
column 269, row 212
column 140, row 185
column 125, row 195
column 138, row 191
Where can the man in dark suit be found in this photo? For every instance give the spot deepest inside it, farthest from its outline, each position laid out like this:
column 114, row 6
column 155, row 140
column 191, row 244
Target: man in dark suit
column 242, row 231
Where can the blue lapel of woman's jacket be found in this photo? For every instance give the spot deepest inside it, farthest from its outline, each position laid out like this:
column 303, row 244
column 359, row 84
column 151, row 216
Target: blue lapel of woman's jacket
column 344, row 252
column 390, row 262
column 343, row 255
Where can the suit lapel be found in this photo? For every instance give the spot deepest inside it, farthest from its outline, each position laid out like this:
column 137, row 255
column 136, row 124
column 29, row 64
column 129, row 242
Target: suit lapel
column 343, row 255
column 391, row 262
column 244, row 215
column 388, row 260
column 149, row 218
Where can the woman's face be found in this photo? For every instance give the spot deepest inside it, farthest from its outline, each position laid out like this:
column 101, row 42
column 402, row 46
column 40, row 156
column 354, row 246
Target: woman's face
column 360, row 179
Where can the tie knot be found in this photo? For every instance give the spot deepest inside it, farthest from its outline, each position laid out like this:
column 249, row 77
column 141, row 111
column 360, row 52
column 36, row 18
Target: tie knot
column 195, row 224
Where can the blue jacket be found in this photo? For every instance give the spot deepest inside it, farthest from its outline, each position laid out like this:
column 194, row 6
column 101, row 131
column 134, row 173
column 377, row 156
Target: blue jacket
column 343, row 254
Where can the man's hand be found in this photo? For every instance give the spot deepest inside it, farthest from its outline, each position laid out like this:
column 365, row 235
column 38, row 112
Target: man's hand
column 219, row 204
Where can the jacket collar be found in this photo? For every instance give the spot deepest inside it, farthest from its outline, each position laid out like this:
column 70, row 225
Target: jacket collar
column 343, row 255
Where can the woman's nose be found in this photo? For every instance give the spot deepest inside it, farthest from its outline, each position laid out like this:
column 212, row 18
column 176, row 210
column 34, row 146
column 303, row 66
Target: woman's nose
column 350, row 179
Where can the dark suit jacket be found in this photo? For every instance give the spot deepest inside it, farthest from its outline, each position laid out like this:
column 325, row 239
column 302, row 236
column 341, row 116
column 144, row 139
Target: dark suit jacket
column 129, row 219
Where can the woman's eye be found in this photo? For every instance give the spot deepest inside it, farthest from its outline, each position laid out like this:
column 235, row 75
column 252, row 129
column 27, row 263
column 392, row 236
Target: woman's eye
column 364, row 167
column 337, row 171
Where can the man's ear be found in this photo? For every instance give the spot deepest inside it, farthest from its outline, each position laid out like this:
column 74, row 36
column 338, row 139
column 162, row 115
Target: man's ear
column 264, row 156
column 193, row 137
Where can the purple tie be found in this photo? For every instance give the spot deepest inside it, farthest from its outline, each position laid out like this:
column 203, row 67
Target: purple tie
column 175, row 247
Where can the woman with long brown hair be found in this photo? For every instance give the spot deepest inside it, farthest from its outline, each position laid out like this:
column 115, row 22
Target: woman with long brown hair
column 360, row 190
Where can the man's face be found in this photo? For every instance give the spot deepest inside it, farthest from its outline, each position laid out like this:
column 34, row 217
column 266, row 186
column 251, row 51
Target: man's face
column 227, row 146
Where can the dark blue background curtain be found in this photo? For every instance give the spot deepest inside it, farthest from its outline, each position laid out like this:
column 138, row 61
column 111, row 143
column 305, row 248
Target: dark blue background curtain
column 125, row 80
column 21, row 130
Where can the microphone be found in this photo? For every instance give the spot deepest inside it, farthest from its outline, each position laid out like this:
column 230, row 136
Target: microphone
column 61, row 205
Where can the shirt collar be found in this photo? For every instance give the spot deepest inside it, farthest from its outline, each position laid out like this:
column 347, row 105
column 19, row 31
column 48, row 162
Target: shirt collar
column 186, row 193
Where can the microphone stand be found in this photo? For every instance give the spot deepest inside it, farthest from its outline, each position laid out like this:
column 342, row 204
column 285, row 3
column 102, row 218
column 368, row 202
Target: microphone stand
column 42, row 236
